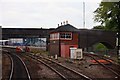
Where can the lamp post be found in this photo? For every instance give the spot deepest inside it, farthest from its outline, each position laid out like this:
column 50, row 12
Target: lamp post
column 85, row 49
column 117, row 44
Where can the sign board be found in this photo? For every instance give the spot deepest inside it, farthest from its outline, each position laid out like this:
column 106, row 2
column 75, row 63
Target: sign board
column 79, row 54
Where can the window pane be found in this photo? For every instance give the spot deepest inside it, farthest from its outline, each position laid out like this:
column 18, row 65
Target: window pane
column 65, row 35
column 68, row 35
column 54, row 36
column 62, row 35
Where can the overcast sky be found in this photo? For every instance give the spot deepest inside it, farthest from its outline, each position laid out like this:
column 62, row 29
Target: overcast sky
column 46, row 13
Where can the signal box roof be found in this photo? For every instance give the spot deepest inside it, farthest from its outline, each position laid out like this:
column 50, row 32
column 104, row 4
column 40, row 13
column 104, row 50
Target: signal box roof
column 66, row 28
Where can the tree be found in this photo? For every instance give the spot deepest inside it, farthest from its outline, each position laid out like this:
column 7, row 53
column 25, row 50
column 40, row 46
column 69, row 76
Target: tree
column 108, row 13
column 99, row 27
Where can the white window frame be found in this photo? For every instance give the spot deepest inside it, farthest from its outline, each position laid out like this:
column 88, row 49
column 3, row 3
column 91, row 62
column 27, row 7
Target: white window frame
column 54, row 36
column 65, row 36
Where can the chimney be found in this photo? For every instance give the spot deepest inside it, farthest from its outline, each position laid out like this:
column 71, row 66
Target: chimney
column 58, row 25
column 66, row 22
column 61, row 23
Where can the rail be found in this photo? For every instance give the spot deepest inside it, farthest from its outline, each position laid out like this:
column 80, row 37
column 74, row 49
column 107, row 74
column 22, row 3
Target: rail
column 12, row 67
column 105, row 66
column 12, row 57
column 51, row 64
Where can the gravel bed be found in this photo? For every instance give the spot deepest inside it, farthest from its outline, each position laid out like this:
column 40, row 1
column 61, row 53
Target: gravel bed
column 6, row 66
column 87, row 68
column 83, row 66
column 39, row 70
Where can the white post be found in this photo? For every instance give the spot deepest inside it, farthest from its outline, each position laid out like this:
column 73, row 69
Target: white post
column 56, row 57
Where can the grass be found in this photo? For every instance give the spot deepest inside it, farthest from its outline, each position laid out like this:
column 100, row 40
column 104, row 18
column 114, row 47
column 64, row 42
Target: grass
column 38, row 51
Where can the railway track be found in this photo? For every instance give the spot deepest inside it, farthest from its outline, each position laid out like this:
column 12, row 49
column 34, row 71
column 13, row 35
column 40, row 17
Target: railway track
column 107, row 58
column 18, row 68
column 114, row 68
column 63, row 71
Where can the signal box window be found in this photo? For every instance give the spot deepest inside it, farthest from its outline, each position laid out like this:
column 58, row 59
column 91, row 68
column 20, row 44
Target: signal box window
column 67, row 36
column 54, row 36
